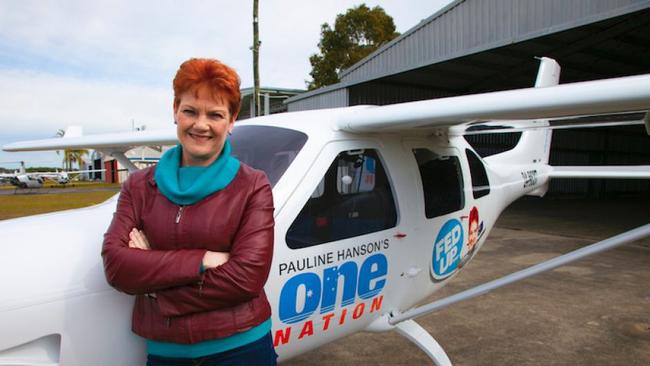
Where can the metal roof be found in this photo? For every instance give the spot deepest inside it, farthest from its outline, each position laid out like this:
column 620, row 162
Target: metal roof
column 481, row 45
column 266, row 89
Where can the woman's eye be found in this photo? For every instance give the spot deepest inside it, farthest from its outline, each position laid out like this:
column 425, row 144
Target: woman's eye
column 216, row 115
column 188, row 112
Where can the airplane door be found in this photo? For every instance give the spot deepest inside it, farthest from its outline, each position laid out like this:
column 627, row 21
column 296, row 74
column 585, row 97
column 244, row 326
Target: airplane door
column 440, row 202
column 334, row 233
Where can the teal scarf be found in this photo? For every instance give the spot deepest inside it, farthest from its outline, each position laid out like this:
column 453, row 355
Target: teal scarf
column 188, row 185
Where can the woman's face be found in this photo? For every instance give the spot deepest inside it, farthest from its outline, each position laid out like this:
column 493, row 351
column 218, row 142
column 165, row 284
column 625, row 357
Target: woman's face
column 202, row 125
column 473, row 234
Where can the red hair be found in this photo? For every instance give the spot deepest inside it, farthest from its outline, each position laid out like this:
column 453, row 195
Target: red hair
column 473, row 215
column 205, row 74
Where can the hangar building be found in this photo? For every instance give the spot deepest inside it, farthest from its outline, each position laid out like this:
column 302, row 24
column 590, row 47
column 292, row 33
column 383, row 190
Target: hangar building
column 474, row 46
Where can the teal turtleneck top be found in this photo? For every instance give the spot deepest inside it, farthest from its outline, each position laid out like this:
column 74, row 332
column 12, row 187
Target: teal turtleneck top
column 188, row 185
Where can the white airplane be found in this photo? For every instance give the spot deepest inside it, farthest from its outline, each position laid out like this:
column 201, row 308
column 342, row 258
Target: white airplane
column 23, row 179
column 376, row 209
column 65, row 177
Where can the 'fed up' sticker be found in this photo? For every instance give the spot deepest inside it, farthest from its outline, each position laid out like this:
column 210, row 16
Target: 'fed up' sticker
column 446, row 249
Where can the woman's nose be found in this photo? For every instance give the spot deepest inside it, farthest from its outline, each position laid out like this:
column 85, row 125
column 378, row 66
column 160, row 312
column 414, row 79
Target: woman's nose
column 201, row 122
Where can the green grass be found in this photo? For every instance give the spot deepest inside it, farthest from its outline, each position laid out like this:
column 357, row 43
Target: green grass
column 19, row 205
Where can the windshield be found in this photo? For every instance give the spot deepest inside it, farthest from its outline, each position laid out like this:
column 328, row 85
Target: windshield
column 271, row 149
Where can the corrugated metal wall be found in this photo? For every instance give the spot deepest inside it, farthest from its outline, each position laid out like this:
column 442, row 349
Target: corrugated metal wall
column 468, row 27
column 378, row 93
column 332, row 99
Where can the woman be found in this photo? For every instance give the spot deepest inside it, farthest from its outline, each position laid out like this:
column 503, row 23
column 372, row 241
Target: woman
column 192, row 238
column 472, row 236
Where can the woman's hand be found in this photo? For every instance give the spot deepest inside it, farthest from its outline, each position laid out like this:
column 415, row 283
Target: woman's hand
column 215, row 259
column 137, row 240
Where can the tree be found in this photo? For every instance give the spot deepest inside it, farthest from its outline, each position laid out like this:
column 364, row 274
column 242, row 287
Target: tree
column 356, row 34
column 71, row 156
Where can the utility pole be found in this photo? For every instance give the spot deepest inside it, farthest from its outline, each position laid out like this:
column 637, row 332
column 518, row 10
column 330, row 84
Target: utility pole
column 256, row 56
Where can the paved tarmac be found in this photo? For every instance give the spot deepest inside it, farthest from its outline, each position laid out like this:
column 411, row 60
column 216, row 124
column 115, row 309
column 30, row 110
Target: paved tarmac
column 592, row 312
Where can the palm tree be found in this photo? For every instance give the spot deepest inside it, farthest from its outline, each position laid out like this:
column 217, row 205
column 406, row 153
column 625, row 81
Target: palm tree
column 71, row 156
column 76, row 156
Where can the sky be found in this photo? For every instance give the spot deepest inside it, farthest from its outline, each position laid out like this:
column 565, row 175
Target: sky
column 107, row 65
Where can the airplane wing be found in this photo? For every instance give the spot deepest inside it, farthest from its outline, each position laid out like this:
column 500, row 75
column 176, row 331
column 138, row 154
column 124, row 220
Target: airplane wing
column 619, row 171
column 577, row 99
column 114, row 144
column 585, row 98
column 106, row 142
column 7, row 177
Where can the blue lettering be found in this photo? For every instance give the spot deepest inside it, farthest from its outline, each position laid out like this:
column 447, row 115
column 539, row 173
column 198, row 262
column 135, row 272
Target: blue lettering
column 372, row 269
column 446, row 250
column 331, row 282
column 368, row 281
column 289, row 312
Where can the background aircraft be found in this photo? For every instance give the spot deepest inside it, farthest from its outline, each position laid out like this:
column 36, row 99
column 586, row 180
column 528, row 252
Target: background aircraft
column 376, row 208
column 23, row 179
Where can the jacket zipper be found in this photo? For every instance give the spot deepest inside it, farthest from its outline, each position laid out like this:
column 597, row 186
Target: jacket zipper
column 179, row 213
column 178, row 220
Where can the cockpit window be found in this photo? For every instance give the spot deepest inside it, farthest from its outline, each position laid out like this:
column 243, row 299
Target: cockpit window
column 442, row 182
column 353, row 198
column 480, row 182
column 271, row 149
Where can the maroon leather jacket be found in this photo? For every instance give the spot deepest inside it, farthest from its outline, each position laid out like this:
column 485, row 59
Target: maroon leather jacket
column 190, row 307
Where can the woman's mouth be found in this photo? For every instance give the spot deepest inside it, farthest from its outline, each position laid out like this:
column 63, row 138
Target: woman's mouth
column 199, row 137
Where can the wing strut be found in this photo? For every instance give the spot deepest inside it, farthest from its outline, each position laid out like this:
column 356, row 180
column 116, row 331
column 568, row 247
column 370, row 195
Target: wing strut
column 119, row 156
column 414, row 332
column 626, row 237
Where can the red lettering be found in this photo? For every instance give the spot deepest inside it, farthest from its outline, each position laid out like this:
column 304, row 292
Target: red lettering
column 342, row 318
column 327, row 318
column 376, row 303
column 358, row 310
column 282, row 336
column 307, row 329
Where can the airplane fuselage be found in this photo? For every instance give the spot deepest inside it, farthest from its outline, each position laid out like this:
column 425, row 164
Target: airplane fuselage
column 27, row 181
column 327, row 289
